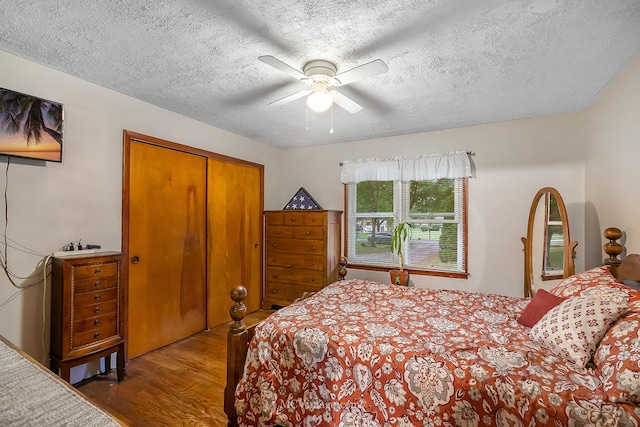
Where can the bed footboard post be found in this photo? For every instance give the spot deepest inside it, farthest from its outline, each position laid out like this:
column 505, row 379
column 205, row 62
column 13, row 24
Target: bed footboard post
column 342, row 270
column 612, row 247
column 237, row 345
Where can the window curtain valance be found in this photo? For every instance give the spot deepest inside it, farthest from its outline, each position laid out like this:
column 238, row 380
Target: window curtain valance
column 455, row 164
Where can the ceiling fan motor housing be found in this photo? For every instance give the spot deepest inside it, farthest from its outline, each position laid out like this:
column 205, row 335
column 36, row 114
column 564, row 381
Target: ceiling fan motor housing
column 319, row 70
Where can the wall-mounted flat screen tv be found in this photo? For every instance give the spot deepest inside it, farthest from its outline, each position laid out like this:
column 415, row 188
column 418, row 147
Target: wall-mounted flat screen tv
column 30, row 127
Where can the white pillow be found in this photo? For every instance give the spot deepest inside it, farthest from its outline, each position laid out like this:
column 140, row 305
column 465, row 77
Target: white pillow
column 573, row 329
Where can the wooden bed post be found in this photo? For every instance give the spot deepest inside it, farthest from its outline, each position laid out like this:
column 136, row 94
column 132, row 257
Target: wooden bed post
column 237, row 346
column 612, row 247
column 342, row 270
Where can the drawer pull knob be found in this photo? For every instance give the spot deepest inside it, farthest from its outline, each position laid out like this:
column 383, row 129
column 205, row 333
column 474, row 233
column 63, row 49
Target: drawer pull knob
column 96, row 310
column 96, row 335
column 97, row 271
column 97, row 297
column 274, row 291
column 96, row 322
column 275, row 275
column 313, row 248
column 313, row 220
column 97, row 283
column 293, row 220
column 275, row 245
column 313, row 279
column 308, row 232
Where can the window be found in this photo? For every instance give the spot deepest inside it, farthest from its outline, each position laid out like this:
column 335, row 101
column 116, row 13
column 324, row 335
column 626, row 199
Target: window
column 434, row 209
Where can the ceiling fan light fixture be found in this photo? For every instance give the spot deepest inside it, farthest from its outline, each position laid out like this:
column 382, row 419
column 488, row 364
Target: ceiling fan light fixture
column 320, row 99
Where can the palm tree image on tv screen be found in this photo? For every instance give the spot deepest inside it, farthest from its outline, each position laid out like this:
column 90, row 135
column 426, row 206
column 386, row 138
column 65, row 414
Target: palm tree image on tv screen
column 30, row 127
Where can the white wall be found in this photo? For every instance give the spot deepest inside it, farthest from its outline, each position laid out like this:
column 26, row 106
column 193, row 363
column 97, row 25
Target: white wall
column 613, row 162
column 513, row 160
column 81, row 198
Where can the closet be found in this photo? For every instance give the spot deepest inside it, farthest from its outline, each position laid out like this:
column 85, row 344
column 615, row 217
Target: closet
column 192, row 230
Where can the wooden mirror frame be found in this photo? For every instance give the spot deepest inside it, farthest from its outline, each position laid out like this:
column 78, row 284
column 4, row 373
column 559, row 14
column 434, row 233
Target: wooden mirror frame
column 568, row 246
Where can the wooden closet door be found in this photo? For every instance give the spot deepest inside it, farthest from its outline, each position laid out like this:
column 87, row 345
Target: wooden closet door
column 167, row 246
column 235, row 236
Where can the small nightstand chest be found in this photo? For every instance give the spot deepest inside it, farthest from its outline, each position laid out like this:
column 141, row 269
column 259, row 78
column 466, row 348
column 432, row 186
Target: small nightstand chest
column 87, row 319
column 302, row 253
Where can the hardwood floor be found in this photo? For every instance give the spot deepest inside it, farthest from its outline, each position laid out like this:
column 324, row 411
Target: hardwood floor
column 180, row 384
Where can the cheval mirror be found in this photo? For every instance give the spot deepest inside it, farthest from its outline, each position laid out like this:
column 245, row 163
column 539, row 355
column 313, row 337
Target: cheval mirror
column 548, row 250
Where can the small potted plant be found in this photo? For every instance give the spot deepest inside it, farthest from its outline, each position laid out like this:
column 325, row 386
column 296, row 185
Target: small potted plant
column 400, row 234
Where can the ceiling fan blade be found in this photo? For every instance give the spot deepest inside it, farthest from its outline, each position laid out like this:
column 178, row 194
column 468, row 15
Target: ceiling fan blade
column 374, row 103
column 291, row 97
column 360, row 72
column 279, row 65
column 425, row 22
column 345, row 102
column 247, row 20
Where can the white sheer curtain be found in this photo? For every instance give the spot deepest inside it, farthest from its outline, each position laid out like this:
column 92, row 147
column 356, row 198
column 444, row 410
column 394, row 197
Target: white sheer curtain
column 455, row 164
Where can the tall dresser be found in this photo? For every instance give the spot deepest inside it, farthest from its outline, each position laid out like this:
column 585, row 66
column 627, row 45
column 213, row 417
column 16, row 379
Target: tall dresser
column 87, row 319
column 301, row 255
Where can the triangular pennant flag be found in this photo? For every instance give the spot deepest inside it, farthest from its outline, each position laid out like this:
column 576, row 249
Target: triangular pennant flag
column 302, row 201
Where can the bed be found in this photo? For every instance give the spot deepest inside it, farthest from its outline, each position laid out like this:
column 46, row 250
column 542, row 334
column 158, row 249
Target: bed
column 31, row 395
column 371, row 354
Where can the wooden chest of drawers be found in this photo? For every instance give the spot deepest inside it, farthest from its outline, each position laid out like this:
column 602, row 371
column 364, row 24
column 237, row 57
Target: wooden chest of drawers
column 302, row 253
column 87, row 319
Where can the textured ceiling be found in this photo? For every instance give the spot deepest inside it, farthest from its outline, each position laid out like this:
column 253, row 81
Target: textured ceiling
column 452, row 63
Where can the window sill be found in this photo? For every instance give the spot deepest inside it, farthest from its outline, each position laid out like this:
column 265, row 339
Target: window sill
column 412, row 271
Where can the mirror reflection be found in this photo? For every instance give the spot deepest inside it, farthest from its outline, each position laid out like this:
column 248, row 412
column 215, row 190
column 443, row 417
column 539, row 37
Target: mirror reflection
column 554, row 242
column 549, row 251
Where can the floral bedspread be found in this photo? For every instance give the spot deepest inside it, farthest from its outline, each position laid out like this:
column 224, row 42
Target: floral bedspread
column 362, row 353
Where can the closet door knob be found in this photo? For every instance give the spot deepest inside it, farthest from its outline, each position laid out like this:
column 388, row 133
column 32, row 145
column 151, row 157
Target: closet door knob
column 135, row 260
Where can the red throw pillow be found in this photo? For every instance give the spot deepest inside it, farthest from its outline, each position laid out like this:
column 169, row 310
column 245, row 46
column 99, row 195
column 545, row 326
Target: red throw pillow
column 541, row 302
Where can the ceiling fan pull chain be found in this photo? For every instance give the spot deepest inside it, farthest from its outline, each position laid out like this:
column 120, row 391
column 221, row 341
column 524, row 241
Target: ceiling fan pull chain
column 306, row 117
column 331, row 130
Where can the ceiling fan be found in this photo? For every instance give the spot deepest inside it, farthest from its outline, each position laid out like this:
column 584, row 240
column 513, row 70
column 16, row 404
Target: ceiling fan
column 321, row 77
